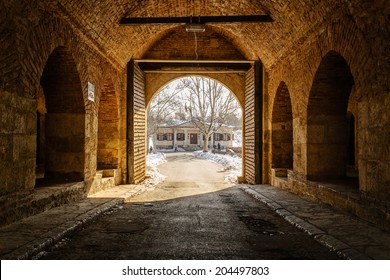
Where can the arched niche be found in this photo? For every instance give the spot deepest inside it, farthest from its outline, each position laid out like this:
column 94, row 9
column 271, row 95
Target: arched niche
column 327, row 122
column 282, row 129
column 61, row 116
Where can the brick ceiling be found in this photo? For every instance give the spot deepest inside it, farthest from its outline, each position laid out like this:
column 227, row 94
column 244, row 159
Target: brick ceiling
column 294, row 22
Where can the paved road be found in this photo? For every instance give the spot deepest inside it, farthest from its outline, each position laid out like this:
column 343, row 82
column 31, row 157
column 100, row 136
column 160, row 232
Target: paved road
column 192, row 215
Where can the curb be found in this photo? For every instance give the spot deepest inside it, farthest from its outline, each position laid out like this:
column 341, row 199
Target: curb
column 341, row 248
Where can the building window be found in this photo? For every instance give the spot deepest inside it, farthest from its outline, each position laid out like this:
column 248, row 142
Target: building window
column 218, row 137
column 226, row 137
column 169, row 136
column 160, row 136
column 180, row 137
column 164, row 136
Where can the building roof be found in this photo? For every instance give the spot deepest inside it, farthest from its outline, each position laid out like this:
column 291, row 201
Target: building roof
column 185, row 123
column 174, row 123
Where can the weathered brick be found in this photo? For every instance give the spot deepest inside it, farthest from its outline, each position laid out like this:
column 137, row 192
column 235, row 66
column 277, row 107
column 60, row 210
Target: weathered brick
column 94, row 48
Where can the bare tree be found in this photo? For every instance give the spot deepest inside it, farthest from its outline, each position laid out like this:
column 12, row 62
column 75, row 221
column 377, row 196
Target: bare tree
column 209, row 104
column 162, row 109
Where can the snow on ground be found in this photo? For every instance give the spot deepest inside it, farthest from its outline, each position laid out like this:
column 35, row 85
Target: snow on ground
column 153, row 175
column 233, row 164
column 152, row 160
column 237, row 142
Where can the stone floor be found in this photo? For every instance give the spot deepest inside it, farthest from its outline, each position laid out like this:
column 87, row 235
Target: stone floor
column 351, row 238
column 221, row 223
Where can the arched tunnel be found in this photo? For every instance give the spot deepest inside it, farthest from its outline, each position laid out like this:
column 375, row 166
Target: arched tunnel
column 311, row 77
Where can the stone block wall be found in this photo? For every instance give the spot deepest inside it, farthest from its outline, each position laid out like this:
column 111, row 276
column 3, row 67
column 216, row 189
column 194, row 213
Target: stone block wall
column 17, row 154
column 67, row 118
column 368, row 98
column 17, row 146
column 374, row 147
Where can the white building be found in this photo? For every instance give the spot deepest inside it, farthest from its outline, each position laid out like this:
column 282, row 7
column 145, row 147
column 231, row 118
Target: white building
column 185, row 135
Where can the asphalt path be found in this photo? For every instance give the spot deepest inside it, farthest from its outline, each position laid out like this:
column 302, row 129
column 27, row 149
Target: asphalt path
column 193, row 214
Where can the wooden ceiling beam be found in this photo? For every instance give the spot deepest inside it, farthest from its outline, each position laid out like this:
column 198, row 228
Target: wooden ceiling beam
column 194, row 61
column 201, row 71
column 196, row 19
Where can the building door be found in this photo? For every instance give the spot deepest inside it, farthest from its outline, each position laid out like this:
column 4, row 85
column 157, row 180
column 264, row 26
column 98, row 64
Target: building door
column 136, row 123
column 193, row 138
column 253, row 129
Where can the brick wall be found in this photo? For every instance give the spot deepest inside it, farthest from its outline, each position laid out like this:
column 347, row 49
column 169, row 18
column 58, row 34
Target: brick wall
column 179, row 44
column 108, row 129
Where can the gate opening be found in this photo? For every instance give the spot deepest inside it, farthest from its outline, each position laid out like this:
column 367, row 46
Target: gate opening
column 198, row 115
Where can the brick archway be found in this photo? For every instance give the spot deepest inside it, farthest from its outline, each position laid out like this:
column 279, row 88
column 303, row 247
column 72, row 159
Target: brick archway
column 327, row 132
column 231, row 96
column 282, row 129
column 63, row 122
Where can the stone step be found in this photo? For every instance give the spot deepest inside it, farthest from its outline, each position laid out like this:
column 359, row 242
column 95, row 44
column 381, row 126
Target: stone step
column 104, row 179
column 107, row 172
column 107, row 183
